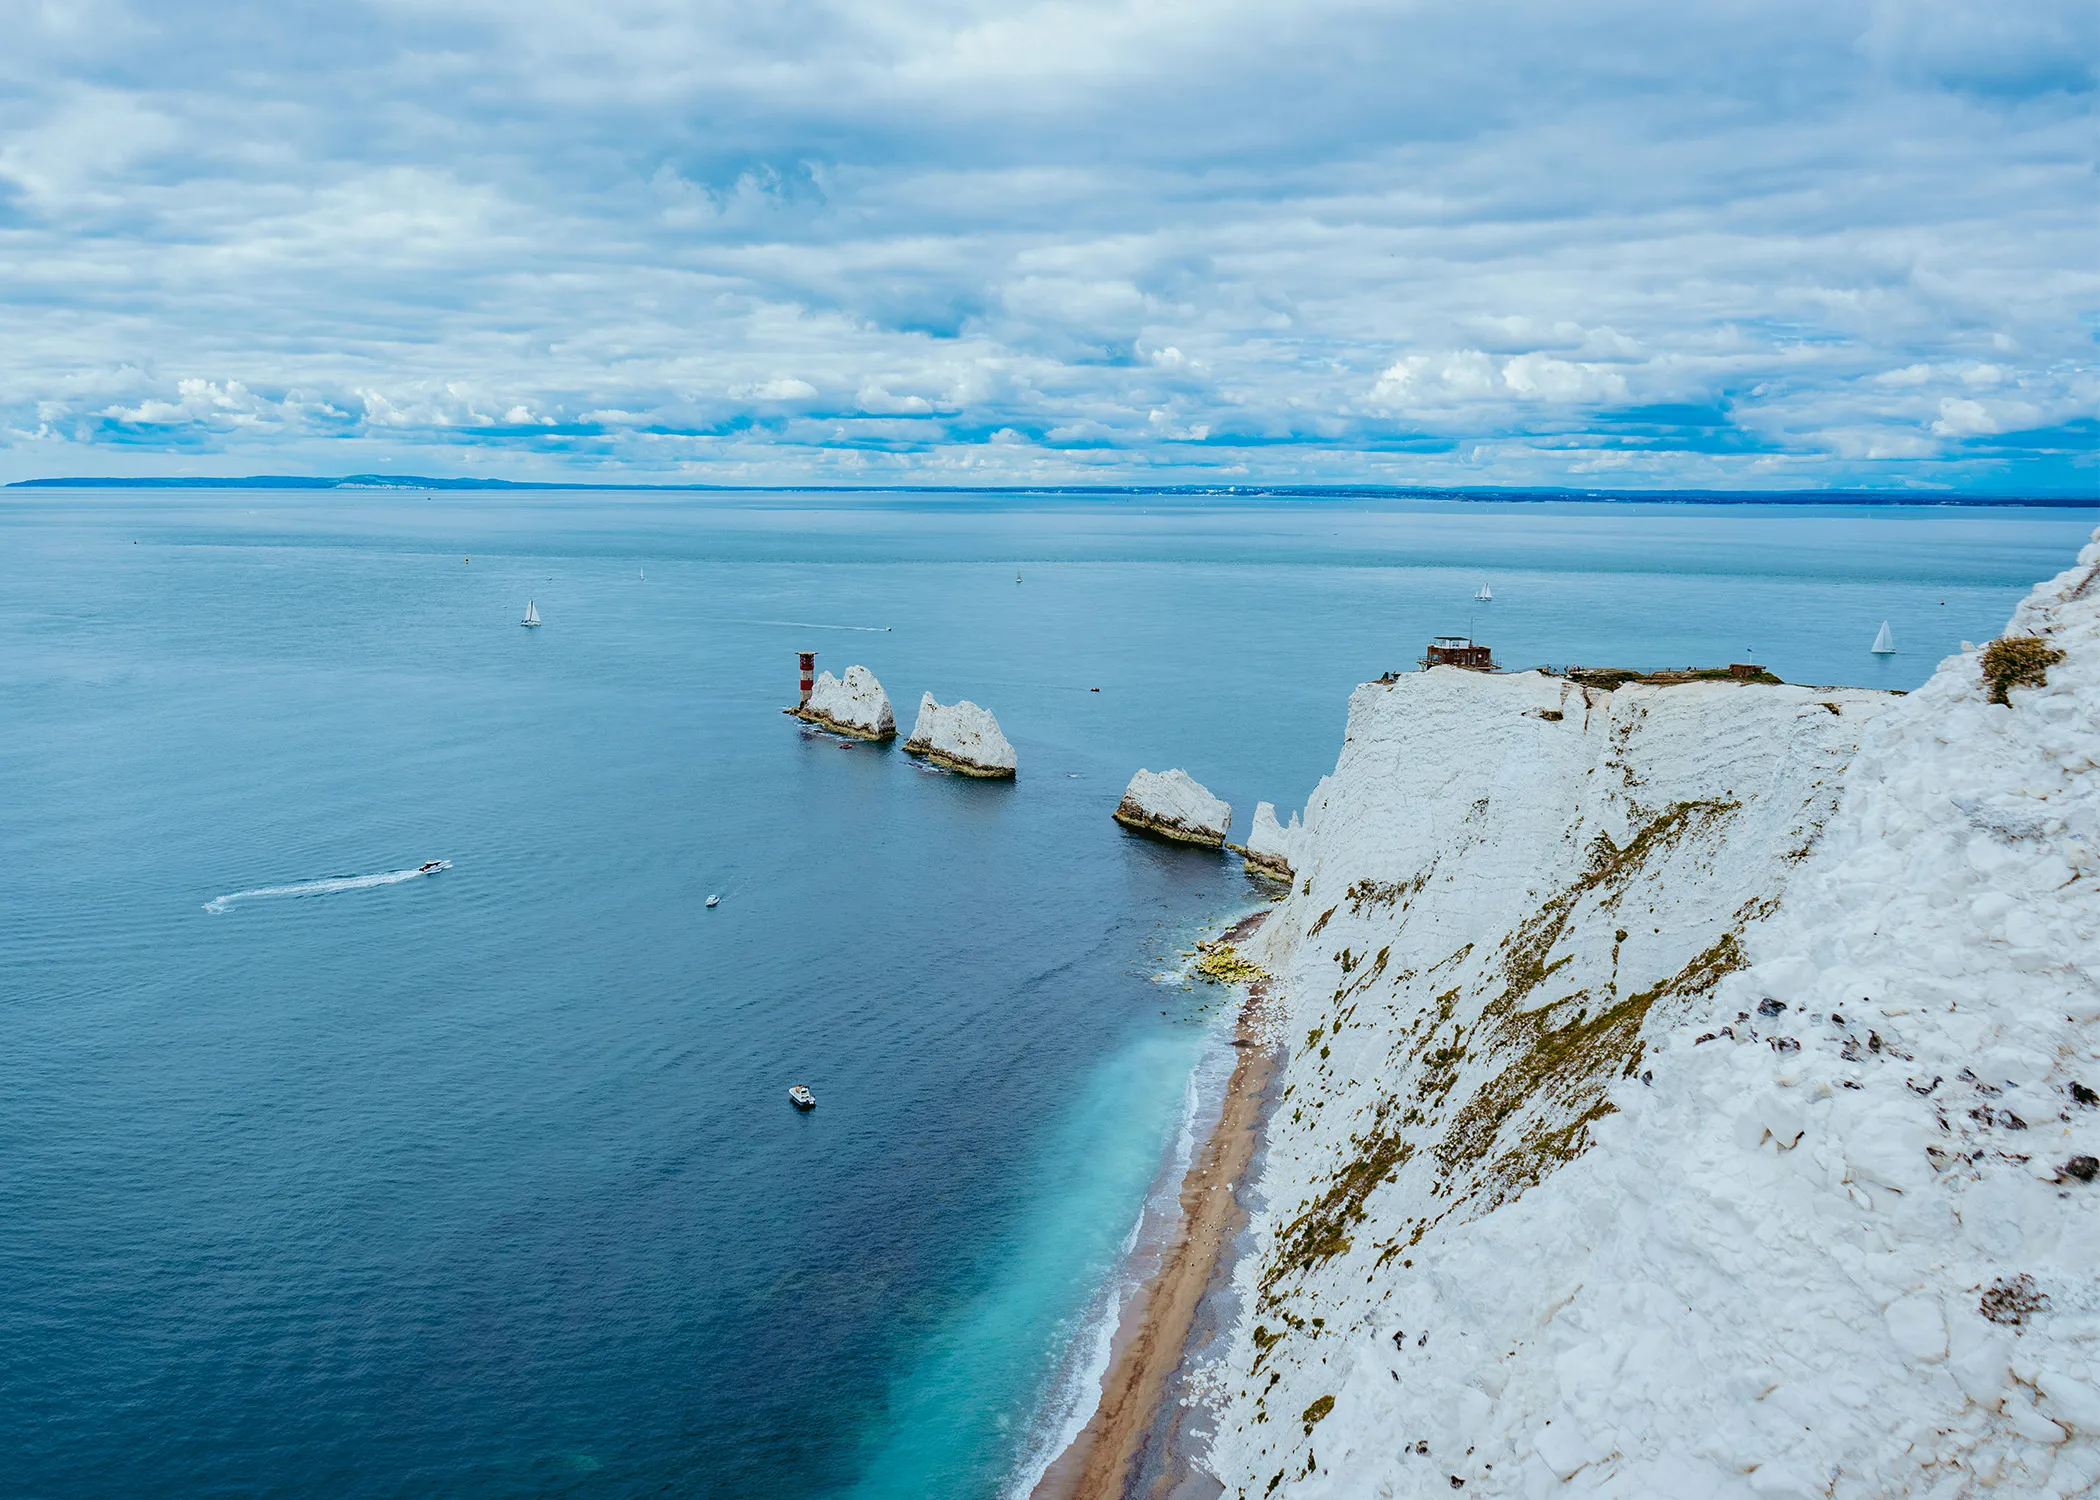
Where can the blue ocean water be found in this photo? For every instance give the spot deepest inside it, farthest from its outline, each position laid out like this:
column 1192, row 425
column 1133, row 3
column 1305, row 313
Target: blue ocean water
column 484, row 1183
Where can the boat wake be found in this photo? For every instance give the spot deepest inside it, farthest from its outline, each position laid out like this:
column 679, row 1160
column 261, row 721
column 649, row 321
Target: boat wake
column 328, row 887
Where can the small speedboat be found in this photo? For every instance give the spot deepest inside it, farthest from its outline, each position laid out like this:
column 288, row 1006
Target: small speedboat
column 714, row 900
column 433, row 866
column 802, row 1098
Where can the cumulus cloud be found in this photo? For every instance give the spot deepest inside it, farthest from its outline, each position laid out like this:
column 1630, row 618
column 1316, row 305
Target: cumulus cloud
column 1491, row 242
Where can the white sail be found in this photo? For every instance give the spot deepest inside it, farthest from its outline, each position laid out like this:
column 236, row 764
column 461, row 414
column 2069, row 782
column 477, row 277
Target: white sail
column 532, row 614
column 1486, row 595
column 1884, row 642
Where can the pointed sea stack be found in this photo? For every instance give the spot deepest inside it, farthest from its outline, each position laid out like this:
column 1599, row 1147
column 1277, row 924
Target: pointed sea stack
column 1271, row 846
column 1173, row 805
column 854, row 704
column 962, row 737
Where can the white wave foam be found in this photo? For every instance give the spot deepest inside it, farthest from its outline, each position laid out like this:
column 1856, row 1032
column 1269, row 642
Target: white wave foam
column 1077, row 1393
column 326, row 887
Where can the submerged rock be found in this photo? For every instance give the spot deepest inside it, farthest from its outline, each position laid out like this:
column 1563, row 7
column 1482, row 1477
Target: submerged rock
column 854, row 704
column 962, row 737
column 1174, row 805
column 1271, row 847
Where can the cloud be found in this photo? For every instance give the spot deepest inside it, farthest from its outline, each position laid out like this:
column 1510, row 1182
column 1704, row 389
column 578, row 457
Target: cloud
column 781, row 388
column 1469, row 375
column 1491, row 242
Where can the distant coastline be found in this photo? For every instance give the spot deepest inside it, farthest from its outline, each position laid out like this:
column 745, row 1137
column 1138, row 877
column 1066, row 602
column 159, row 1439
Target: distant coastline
column 1483, row 495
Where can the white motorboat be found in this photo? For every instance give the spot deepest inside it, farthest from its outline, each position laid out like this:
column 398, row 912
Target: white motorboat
column 714, row 900
column 532, row 614
column 431, row 867
column 802, row 1098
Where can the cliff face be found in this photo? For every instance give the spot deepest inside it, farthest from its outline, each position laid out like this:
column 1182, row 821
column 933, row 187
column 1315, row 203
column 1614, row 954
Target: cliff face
column 1657, row 1124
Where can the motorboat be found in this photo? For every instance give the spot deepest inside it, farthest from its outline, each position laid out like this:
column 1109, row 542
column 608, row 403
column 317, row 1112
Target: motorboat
column 802, row 1098
column 714, row 900
column 433, row 866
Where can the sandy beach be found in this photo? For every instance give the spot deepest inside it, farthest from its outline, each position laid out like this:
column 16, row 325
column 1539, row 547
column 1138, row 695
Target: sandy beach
column 1154, row 1330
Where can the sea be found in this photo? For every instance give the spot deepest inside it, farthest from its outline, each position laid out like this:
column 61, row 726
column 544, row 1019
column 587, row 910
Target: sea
column 319, row 1176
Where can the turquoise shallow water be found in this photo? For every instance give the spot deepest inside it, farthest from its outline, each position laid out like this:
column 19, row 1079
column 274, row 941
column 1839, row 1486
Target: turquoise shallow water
column 485, row 1184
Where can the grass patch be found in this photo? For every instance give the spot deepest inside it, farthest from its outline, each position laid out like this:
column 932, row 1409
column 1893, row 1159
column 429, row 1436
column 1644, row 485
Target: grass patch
column 1322, row 1231
column 1611, row 867
column 2017, row 661
column 1560, row 1074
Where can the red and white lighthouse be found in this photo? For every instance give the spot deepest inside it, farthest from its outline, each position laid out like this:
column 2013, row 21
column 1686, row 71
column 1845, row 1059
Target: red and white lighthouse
column 809, row 674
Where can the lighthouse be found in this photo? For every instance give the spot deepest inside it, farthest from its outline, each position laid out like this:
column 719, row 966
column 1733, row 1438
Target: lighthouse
column 809, row 674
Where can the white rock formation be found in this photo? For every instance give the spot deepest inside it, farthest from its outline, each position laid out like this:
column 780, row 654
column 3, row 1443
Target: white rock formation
column 1270, row 845
column 1174, row 805
column 962, row 737
column 1676, row 1111
column 854, row 704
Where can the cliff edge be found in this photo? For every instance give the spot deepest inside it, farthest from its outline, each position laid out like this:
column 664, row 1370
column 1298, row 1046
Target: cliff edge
column 1689, row 1094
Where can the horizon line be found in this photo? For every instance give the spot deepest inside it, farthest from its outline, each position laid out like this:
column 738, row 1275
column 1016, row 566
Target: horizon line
column 1916, row 497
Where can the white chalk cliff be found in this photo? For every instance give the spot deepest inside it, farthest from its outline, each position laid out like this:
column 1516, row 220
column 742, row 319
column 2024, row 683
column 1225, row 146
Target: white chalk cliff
column 1271, row 847
column 1690, row 1095
column 1174, row 805
column 854, row 704
column 962, row 737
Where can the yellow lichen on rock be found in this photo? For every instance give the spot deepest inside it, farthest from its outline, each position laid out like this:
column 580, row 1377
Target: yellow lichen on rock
column 1222, row 964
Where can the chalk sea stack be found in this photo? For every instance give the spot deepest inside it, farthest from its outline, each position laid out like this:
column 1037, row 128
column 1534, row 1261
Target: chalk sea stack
column 1173, row 805
column 1271, row 846
column 962, row 737
column 854, row 704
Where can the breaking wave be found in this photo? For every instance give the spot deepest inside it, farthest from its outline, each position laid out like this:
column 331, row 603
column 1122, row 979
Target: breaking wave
column 326, row 887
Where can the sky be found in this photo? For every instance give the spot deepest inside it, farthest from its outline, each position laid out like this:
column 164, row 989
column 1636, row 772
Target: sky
column 1608, row 244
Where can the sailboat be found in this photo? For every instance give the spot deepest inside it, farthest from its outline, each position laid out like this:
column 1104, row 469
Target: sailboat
column 532, row 614
column 1486, row 595
column 1884, row 643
